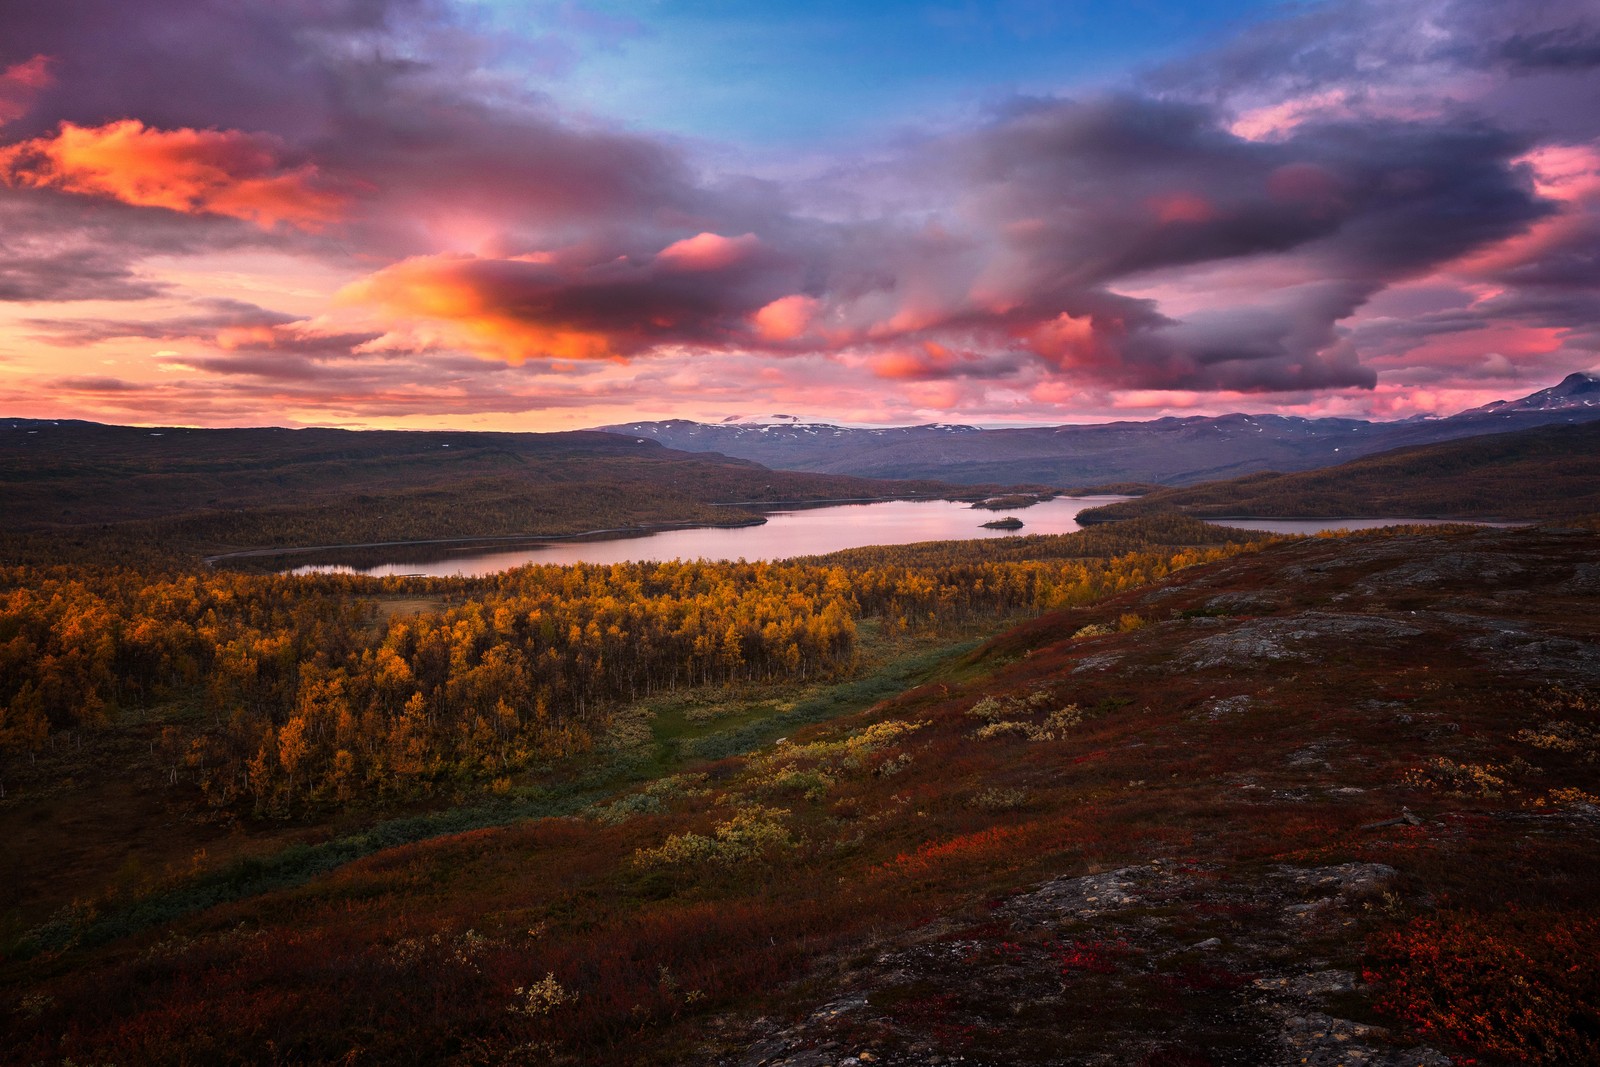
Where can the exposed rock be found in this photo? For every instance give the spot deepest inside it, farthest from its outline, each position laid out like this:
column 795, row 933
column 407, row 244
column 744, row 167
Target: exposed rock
column 1243, row 603
column 1452, row 567
column 1098, row 662
column 1295, row 637
column 1019, row 992
column 1585, row 581
column 1228, row 707
column 1523, row 650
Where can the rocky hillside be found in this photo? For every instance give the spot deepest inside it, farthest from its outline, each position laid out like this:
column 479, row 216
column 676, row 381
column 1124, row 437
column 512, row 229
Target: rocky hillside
column 1335, row 801
column 1332, row 808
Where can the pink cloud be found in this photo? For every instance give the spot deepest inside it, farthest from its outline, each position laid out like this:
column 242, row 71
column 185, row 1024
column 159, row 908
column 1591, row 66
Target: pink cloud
column 786, row 318
column 20, row 83
column 1279, row 119
column 708, row 252
column 1182, row 207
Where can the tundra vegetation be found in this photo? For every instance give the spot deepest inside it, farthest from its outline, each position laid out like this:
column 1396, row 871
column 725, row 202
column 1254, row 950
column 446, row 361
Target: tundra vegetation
column 1156, row 791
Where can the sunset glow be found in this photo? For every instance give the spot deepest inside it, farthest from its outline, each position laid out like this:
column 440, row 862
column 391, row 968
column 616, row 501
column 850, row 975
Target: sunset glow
column 486, row 215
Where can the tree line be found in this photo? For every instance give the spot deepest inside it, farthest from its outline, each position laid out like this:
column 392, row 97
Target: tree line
column 308, row 694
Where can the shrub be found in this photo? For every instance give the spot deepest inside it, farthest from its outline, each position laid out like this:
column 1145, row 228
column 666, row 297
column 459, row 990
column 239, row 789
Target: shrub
column 1524, row 987
column 753, row 832
column 996, row 799
column 998, row 723
column 541, row 997
column 1567, row 737
column 1463, row 779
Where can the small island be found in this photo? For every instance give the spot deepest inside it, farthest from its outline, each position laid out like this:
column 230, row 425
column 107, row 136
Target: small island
column 1010, row 522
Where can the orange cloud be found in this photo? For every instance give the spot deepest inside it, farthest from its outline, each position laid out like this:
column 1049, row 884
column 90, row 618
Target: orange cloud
column 19, row 84
column 212, row 172
column 576, row 304
column 232, row 337
column 929, row 361
column 461, row 303
column 1069, row 341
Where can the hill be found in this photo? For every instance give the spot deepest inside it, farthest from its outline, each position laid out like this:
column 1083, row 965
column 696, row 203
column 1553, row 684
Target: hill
column 1547, row 473
column 236, row 488
column 1170, row 451
column 1332, row 801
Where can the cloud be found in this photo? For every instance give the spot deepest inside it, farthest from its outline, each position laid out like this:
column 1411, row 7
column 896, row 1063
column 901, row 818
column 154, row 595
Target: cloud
column 708, row 252
column 786, row 318
column 1336, row 194
column 30, row 275
column 218, row 172
column 1052, row 208
column 701, row 290
column 1565, row 48
column 20, row 83
column 212, row 317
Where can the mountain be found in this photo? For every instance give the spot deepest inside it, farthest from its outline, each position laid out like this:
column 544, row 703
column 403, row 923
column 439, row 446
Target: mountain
column 1575, row 392
column 1169, row 451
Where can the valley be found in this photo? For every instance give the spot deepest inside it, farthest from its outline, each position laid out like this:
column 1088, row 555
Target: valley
column 1237, row 812
column 1157, row 791
column 613, row 533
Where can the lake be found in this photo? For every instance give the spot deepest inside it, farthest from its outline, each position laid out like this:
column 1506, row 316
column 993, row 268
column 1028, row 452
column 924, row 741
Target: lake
column 801, row 531
column 798, row 532
column 1315, row 526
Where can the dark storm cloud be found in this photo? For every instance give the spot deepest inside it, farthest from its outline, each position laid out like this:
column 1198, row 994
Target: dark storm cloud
column 1084, row 197
column 211, row 316
column 1570, row 48
column 71, row 274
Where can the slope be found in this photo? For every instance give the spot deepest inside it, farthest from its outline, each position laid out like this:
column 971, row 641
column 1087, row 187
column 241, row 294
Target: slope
column 1547, row 473
column 270, row 486
column 1331, row 802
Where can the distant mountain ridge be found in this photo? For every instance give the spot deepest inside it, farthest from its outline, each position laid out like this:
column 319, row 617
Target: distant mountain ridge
column 1168, row 451
column 1575, row 392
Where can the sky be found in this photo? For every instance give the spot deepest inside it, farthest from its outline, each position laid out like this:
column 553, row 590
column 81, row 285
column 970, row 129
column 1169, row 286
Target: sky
column 554, row 214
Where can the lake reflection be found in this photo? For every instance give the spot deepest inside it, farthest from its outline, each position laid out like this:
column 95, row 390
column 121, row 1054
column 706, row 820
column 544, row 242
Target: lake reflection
column 802, row 532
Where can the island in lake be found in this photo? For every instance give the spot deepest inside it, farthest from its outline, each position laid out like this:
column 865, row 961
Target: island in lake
column 1010, row 522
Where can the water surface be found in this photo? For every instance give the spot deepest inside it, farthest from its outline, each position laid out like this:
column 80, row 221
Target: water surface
column 799, row 532
column 1316, row 526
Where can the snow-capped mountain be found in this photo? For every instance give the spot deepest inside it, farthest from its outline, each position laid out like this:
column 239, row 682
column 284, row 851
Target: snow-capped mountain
column 1170, row 451
column 1575, row 392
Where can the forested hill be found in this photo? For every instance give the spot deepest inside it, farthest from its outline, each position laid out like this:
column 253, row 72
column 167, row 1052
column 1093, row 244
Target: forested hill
column 1547, row 473
column 272, row 486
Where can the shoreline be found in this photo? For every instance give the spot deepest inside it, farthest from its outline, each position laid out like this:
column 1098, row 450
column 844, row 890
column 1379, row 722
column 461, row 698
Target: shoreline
column 489, row 539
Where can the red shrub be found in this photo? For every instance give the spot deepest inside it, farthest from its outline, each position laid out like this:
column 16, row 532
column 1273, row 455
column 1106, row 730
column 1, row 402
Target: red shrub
column 1523, row 986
